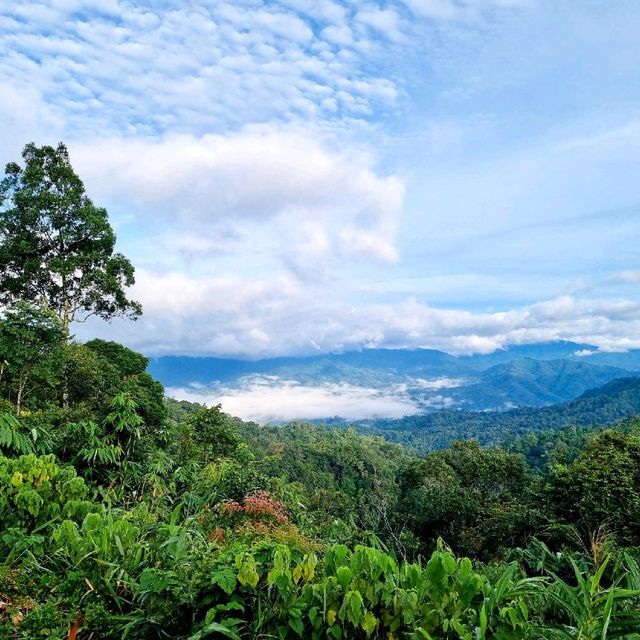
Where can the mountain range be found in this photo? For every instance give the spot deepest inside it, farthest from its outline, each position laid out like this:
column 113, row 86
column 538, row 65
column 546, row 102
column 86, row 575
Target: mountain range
column 418, row 381
column 602, row 406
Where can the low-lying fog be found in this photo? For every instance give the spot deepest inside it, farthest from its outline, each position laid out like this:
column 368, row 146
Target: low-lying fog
column 271, row 399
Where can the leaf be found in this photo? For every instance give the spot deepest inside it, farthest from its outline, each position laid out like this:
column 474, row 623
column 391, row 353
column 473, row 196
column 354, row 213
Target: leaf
column 449, row 563
column 483, row 622
column 215, row 627
column 344, row 576
column 369, row 623
column 248, row 574
column 352, row 607
column 225, row 579
column 297, row 625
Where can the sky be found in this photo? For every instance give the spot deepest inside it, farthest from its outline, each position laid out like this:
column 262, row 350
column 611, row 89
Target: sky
column 309, row 176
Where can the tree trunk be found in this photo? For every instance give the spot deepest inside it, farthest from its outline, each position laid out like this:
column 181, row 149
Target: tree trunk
column 21, row 385
column 65, row 372
column 65, row 384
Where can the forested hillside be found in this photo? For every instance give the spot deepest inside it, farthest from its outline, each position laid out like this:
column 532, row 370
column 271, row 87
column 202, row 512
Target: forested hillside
column 125, row 515
column 605, row 405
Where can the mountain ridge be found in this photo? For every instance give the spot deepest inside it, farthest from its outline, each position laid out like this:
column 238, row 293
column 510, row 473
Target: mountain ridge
column 605, row 405
column 425, row 379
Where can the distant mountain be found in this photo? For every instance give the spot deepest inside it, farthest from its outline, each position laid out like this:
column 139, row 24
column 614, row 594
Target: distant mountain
column 629, row 360
column 533, row 383
column 425, row 379
column 557, row 350
column 184, row 370
column 605, row 405
column 178, row 371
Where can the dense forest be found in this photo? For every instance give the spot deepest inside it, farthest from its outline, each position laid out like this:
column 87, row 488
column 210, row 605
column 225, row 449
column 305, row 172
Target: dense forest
column 604, row 405
column 127, row 515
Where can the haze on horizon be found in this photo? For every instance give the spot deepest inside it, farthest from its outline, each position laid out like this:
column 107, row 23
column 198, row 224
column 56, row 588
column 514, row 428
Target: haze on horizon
column 309, row 176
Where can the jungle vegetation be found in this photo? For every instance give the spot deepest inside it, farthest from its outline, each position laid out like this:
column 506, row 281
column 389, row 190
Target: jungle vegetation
column 127, row 515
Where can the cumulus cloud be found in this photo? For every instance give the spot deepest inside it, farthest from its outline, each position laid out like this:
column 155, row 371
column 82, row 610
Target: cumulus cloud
column 321, row 202
column 384, row 21
column 247, row 174
column 269, row 399
column 261, row 317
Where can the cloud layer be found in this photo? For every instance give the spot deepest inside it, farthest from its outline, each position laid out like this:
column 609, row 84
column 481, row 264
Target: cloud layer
column 253, row 318
column 265, row 399
column 298, row 176
column 144, row 67
column 314, row 203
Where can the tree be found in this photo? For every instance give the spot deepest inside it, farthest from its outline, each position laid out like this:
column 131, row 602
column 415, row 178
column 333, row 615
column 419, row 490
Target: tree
column 212, row 434
column 133, row 378
column 601, row 488
column 56, row 246
column 475, row 498
column 29, row 337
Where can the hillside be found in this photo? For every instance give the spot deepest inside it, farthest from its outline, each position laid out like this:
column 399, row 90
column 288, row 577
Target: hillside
column 615, row 400
column 176, row 371
column 530, row 382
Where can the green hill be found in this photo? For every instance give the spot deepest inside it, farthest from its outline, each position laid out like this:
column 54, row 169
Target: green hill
column 605, row 405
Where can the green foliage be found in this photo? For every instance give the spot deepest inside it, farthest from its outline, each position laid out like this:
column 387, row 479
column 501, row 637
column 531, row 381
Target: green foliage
column 97, row 450
column 191, row 572
column 100, row 451
column 592, row 610
column 35, row 490
column 105, row 549
column 606, row 405
column 99, row 370
column 127, row 362
column 56, row 246
column 601, row 486
column 132, row 378
column 344, row 475
column 476, row 498
column 12, row 438
column 30, row 340
column 91, row 380
column 211, row 434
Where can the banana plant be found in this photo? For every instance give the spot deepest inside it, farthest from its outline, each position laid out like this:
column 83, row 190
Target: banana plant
column 591, row 610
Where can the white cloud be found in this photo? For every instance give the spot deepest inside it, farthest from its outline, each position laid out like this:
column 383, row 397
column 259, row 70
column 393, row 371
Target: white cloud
column 340, row 35
column 246, row 316
column 24, row 117
column 269, row 399
column 322, row 202
column 440, row 9
column 435, row 384
column 621, row 136
column 628, row 276
column 207, row 66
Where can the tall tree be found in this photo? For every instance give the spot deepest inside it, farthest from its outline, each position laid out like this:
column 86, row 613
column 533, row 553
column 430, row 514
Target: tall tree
column 29, row 337
column 56, row 246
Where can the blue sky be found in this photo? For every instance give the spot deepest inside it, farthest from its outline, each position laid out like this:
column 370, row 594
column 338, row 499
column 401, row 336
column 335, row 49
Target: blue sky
column 313, row 175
